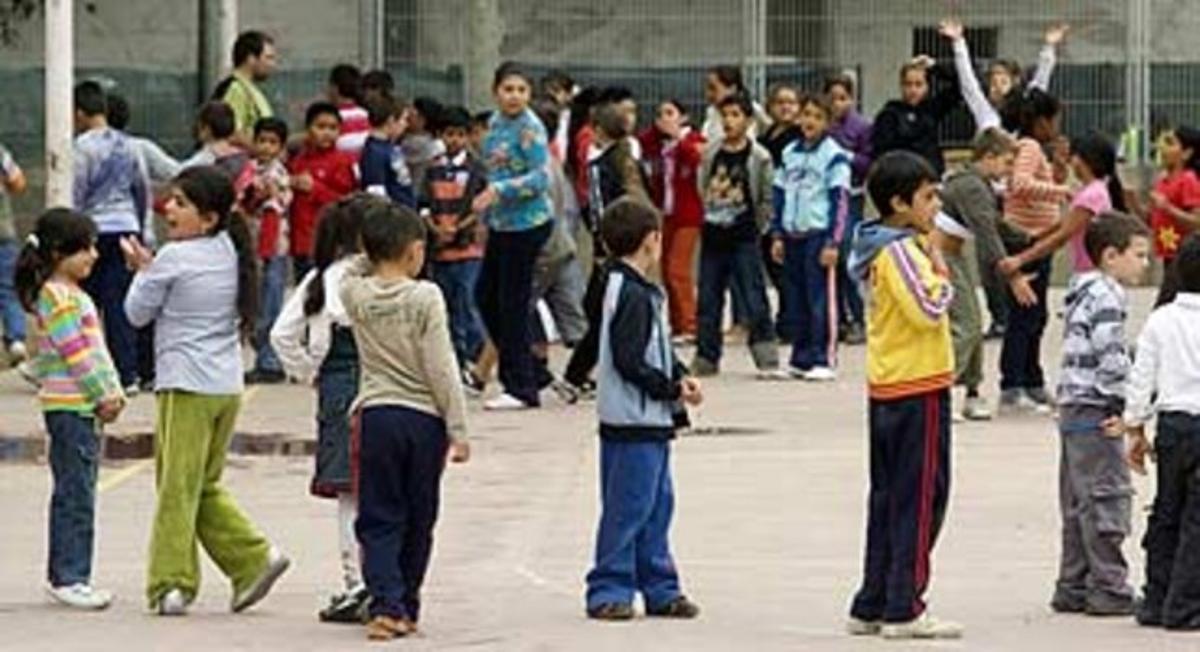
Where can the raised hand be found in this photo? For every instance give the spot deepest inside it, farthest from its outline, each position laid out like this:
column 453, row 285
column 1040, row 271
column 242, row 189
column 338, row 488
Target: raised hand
column 1055, row 34
column 951, row 28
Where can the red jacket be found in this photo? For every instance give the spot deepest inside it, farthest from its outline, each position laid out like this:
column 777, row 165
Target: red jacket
column 333, row 178
column 675, row 166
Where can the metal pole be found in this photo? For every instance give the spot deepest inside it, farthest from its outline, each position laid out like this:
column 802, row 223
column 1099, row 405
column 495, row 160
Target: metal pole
column 60, row 114
column 370, row 30
column 227, row 31
column 218, row 32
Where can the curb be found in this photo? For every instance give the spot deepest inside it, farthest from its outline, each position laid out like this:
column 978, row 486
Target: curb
column 138, row 446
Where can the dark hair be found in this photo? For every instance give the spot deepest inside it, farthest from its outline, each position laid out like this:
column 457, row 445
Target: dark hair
column 626, row 223
column 347, row 79
column 1100, row 156
column 218, row 118
column 378, row 80
column 272, row 125
column 481, row 119
column 1112, row 229
column 741, row 101
column 90, row 99
column 388, row 230
column 431, row 110
column 59, row 233
column 456, row 117
column 1187, row 264
column 728, row 76
column 1189, row 138
column 557, row 79
column 897, row 175
column 382, row 108
column 615, row 94
column 211, row 190
column 118, row 112
column 679, row 106
column 249, row 44
column 318, row 109
column 338, row 233
column 843, row 80
column 510, row 69
column 581, row 115
column 608, row 119
column 819, row 100
column 992, row 142
column 1022, row 110
column 546, row 109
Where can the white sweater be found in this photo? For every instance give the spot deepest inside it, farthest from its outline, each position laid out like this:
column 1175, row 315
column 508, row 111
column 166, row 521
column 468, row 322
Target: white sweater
column 1167, row 363
column 301, row 341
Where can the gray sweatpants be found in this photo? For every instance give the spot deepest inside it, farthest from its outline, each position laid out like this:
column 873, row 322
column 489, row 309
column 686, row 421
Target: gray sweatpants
column 966, row 322
column 1095, row 497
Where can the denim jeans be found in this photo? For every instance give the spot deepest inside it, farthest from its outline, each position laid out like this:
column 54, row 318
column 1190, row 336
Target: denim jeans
column 457, row 280
column 108, row 285
column 809, row 284
column 723, row 265
column 850, row 301
column 74, row 456
column 1021, row 353
column 274, row 284
column 12, row 316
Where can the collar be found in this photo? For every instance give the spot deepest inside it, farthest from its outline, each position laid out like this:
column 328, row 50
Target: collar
column 1190, row 300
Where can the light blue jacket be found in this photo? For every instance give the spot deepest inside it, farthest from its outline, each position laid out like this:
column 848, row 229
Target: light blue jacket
column 810, row 189
column 516, row 155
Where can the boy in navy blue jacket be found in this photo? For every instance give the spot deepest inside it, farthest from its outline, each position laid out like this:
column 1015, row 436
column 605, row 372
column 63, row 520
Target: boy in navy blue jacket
column 642, row 387
column 382, row 170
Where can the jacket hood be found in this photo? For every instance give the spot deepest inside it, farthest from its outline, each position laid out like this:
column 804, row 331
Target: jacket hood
column 1080, row 286
column 869, row 239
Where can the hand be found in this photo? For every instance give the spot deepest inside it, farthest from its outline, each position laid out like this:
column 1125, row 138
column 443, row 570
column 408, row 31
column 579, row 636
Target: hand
column 302, row 182
column 951, row 28
column 110, row 408
column 1159, row 200
column 1022, row 290
column 137, row 256
column 1139, row 448
column 1055, row 34
column 460, row 451
column 692, row 394
column 777, row 250
column 829, row 257
column 1113, row 427
column 1008, row 266
column 484, row 200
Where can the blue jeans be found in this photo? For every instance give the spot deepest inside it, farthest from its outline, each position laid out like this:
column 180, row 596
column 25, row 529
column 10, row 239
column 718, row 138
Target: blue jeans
column 74, row 453
column 108, row 285
column 274, row 283
column 12, row 316
column 633, row 553
column 1021, row 353
column 723, row 265
column 850, row 302
column 457, row 281
column 809, row 285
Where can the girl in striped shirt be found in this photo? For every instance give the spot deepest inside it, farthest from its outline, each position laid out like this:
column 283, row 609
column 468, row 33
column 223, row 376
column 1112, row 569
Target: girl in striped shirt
column 79, row 386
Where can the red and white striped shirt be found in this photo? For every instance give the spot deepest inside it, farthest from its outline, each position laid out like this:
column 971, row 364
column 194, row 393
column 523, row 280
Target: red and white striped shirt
column 356, row 125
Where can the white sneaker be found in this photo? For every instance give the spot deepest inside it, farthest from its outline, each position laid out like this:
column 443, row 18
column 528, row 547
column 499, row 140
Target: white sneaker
column 506, row 403
column 132, row 390
column 80, row 596
column 924, row 626
column 773, row 374
column 975, row 409
column 172, row 604
column 277, row 563
column 17, row 352
column 820, row 375
column 859, row 627
column 26, row 372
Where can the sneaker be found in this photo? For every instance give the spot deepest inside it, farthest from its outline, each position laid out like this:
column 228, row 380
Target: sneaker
column 856, row 335
column 386, row 628
column 586, row 390
column 265, row 377
column 1148, row 615
column 25, row 371
column 506, row 403
column 1107, row 606
column 1042, row 403
column 611, row 611
column 683, row 340
column 860, row 627
column 1068, row 603
column 975, row 409
column 277, row 564
column 798, row 373
column 773, row 374
column 923, row 626
column 146, row 386
column 1014, row 401
column 565, row 391
column 704, row 368
column 132, row 390
column 80, row 596
column 17, row 353
column 348, row 607
column 820, row 375
column 173, row 603
column 473, row 385
column 680, row 607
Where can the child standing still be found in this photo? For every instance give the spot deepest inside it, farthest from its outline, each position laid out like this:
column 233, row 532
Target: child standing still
column 642, row 385
column 12, row 319
column 382, row 168
column 910, row 367
column 1095, row 494
column 812, row 197
column 321, row 175
column 78, row 388
column 201, row 292
column 410, row 409
column 1175, row 202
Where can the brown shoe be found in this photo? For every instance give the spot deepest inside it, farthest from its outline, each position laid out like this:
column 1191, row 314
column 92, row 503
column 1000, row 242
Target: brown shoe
column 611, row 611
column 680, row 607
column 386, row 628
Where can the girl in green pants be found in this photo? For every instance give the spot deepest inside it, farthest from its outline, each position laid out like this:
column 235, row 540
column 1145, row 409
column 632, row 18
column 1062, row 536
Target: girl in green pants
column 198, row 290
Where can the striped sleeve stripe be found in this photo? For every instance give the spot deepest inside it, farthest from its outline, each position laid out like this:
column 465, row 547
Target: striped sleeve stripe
column 933, row 307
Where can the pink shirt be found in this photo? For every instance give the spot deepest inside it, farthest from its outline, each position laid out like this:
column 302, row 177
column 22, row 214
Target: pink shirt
column 1094, row 199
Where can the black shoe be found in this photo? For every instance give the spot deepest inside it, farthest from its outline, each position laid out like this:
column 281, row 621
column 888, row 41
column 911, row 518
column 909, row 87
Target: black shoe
column 1148, row 615
column 586, row 391
column 262, row 377
column 855, row 335
column 347, row 608
column 680, row 607
column 1064, row 605
column 996, row 332
column 1108, row 606
column 611, row 611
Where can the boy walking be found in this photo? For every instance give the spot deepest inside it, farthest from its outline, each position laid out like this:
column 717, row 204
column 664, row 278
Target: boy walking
column 1164, row 380
column 410, row 409
column 641, row 385
column 910, row 369
column 1094, row 487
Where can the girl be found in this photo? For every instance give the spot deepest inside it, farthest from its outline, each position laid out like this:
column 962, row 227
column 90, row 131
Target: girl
column 313, row 339
column 78, row 386
column 201, row 291
column 1175, row 202
column 784, row 107
column 721, row 82
column 927, row 95
column 517, row 205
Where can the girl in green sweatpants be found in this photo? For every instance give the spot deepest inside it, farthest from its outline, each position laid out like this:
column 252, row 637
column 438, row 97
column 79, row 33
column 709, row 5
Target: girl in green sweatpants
column 198, row 290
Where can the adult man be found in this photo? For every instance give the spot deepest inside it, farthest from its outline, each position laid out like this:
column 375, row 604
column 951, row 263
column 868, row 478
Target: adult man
column 254, row 60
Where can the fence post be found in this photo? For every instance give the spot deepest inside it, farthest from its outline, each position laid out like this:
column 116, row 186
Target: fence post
column 218, row 31
column 60, row 84
column 370, row 33
column 485, row 32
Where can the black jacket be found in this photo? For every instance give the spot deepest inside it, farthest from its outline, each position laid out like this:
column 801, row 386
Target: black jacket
column 900, row 126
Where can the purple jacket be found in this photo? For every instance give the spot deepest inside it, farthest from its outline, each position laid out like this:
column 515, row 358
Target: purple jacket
column 854, row 134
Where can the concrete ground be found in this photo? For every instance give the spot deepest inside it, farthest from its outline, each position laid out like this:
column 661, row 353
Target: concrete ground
column 768, row 535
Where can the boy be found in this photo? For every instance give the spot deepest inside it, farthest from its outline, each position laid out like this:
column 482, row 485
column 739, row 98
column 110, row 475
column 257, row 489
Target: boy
column 1168, row 365
column 345, row 91
column 1094, row 487
column 909, row 372
column 321, row 175
column 267, row 200
column 641, row 386
column 382, row 166
column 451, row 184
column 410, row 409
column 12, row 317
column 812, row 197
column 735, row 179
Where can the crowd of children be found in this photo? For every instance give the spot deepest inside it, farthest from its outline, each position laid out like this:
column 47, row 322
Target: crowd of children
column 421, row 239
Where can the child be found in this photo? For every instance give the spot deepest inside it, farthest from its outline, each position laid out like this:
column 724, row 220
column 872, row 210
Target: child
column 721, row 83
column 382, row 167
column 410, row 409
column 376, row 84
column 451, row 184
column 345, row 92
column 78, row 387
column 479, row 131
column 911, row 123
column 267, row 200
column 735, row 181
column 811, row 196
column 1095, row 493
column 909, row 372
column 315, row 344
column 215, row 132
column 642, row 385
column 853, row 132
column 12, row 182
column 1163, row 381
column 320, row 176
column 420, row 145
column 200, row 290
column 1175, row 202
column 784, row 106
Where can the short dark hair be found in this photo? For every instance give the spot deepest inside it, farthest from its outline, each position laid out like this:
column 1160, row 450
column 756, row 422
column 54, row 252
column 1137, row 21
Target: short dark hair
column 1022, row 110
column 381, row 108
column 118, row 112
column 819, row 100
column 728, row 75
column 626, row 223
column 616, row 94
column 456, row 117
column 388, row 230
column 609, row 120
column 431, row 110
column 347, row 79
column 218, row 118
column 843, row 80
column 249, row 44
column 897, row 175
column 1187, row 264
column 1112, row 229
column 510, row 69
column 481, row 119
column 272, row 125
column 318, row 109
column 557, row 79
column 378, row 80
column 741, row 101
column 992, row 141
column 90, row 99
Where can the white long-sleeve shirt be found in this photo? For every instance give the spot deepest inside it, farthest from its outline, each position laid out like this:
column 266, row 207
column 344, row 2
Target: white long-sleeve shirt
column 1166, row 363
column 302, row 341
column 977, row 101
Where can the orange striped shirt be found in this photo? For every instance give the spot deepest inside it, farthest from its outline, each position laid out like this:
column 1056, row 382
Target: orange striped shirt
column 1034, row 201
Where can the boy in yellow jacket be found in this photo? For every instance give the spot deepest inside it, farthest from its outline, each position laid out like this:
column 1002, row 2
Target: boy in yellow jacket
column 910, row 368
